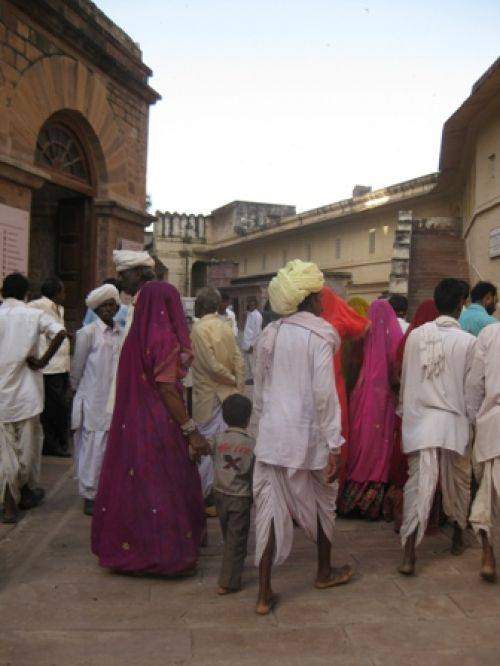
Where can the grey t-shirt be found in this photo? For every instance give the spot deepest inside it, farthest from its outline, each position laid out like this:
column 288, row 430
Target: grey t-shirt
column 232, row 452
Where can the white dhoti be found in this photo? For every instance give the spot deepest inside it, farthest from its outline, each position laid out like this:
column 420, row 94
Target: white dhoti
column 424, row 468
column 90, row 447
column 281, row 495
column 20, row 455
column 485, row 505
column 206, row 465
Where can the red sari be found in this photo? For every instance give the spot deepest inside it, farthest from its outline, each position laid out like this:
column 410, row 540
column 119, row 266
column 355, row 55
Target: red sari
column 350, row 325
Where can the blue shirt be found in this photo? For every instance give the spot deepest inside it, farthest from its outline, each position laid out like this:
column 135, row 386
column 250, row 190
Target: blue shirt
column 474, row 318
column 120, row 317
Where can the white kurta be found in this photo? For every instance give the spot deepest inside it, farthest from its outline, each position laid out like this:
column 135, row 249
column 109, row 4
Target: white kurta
column 93, row 369
column 298, row 414
column 483, row 393
column 297, row 404
column 253, row 328
column 433, row 408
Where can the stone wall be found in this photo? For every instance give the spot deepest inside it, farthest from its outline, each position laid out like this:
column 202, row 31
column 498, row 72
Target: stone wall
column 437, row 252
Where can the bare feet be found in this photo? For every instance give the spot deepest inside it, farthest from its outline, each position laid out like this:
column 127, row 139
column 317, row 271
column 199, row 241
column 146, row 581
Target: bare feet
column 488, row 565
column 457, row 544
column 337, row 576
column 226, row 590
column 407, row 567
column 265, row 606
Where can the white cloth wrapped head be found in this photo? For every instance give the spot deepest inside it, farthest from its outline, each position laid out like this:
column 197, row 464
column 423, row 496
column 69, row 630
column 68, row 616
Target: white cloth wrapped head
column 108, row 292
column 126, row 259
column 293, row 284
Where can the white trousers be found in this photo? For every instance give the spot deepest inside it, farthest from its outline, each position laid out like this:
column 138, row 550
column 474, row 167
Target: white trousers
column 282, row 495
column 424, row 468
column 20, row 455
column 486, row 503
column 90, row 447
column 206, row 466
column 248, row 358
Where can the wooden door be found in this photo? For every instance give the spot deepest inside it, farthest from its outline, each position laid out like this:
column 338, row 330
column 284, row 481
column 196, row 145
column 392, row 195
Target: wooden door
column 73, row 256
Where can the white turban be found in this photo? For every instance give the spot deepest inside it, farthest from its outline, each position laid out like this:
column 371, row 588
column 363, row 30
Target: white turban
column 125, row 259
column 102, row 294
column 294, row 283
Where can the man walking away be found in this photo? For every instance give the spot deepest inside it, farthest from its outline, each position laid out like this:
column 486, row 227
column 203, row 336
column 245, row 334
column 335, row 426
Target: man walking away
column 253, row 328
column 479, row 314
column 483, row 398
column 55, row 416
column 299, row 429
column 436, row 428
column 218, row 372
column 21, row 395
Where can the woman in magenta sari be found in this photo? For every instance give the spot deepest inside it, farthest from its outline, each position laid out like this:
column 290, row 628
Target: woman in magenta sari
column 372, row 412
column 148, row 514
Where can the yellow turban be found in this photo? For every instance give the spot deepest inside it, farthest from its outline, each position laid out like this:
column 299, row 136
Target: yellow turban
column 294, row 283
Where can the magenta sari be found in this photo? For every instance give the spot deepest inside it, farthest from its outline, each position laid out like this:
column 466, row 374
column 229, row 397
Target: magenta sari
column 148, row 513
column 372, row 416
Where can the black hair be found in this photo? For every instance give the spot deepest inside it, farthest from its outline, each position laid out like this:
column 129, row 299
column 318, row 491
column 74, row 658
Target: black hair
column 224, row 296
column 399, row 303
column 481, row 290
column 15, row 285
column 116, row 283
column 448, row 296
column 466, row 289
column 306, row 303
column 52, row 287
column 236, row 410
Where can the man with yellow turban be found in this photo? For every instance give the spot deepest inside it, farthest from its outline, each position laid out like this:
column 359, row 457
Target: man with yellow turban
column 299, row 428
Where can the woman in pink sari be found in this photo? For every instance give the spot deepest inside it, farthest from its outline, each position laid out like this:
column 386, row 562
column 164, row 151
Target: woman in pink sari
column 148, row 514
column 372, row 414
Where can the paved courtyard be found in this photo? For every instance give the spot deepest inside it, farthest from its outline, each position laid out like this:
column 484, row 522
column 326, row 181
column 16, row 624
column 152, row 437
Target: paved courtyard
column 58, row 607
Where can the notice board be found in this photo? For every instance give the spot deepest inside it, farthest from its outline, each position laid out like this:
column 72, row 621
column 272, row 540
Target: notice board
column 14, row 238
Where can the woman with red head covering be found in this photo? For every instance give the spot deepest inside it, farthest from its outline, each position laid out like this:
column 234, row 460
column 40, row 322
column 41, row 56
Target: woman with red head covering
column 398, row 473
column 372, row 413
column 350, row 325
column 148, row 514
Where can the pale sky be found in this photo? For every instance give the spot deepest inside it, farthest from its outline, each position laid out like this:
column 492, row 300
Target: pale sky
column 296, row 101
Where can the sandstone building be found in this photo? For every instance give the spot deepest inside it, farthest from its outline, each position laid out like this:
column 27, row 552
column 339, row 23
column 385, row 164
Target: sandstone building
column 74, row 107
column 401, row 238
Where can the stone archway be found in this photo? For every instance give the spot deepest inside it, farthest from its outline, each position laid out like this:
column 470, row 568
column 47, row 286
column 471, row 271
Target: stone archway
column 59, row 84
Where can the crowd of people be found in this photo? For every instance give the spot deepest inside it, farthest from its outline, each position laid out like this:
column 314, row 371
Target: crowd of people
column 355, row 411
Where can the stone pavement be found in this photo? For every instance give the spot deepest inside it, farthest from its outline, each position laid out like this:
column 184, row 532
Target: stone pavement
column 59, row 608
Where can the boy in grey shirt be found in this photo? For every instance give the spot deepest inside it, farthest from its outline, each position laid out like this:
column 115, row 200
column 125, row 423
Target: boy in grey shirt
column 233, row 457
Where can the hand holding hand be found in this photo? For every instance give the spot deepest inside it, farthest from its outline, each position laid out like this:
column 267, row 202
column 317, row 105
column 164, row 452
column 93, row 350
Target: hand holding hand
column 198, row 443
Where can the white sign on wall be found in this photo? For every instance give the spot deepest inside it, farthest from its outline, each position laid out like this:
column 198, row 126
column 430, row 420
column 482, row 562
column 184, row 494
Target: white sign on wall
column 14, row 239
column 126, row 244
column 494, row 245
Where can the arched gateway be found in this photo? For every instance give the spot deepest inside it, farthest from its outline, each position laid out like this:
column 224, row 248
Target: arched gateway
column 73, row 145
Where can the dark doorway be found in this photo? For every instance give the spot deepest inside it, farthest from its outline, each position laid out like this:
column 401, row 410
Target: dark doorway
column 198, row 277
column 60, row 244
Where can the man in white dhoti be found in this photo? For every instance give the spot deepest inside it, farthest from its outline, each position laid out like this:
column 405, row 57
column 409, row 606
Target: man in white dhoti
column 299, row 428
column 92, row 372
column 436, row 424
column 218, row 372
column 483, row 400
column 251, row 332
column 22, row 396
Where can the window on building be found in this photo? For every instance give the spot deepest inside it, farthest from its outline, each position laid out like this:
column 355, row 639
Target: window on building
column 245, row 266
column 57, row 148
column 338, row 248
column 492, row 164
column 371, row 241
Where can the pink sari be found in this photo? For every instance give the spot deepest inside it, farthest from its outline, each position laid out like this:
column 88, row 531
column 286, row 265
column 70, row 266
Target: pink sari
column 372, row 416
column 148, row 514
